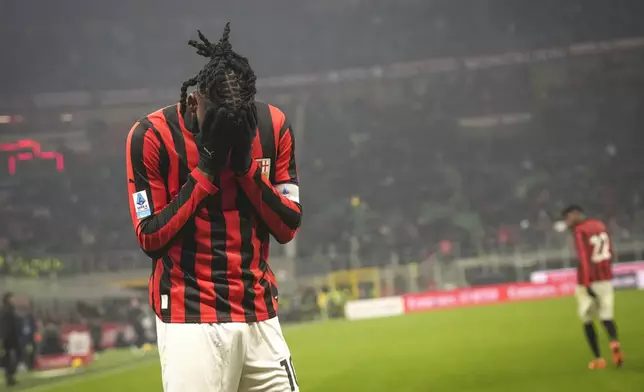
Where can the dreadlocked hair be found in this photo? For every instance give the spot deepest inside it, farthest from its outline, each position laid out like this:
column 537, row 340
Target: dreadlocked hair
column 227, row 80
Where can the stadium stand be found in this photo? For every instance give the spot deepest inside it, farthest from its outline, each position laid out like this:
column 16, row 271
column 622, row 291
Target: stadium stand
column 414, row 198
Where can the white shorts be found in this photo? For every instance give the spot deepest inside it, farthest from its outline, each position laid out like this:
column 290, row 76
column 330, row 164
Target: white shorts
column 227, row 357
column 603, row 306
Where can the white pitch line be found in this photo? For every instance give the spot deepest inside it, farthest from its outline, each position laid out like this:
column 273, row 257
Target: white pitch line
column 71, row 380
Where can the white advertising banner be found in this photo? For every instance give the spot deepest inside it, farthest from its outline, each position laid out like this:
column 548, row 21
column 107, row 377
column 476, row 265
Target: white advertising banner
column 570, row 274
column 640, row 280
column 374, row 308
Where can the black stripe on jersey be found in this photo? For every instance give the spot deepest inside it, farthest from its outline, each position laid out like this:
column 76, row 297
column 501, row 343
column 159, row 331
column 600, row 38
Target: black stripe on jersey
column 179, row 141
column 267, row 135
column 140, row 179
column 141, row 182
column 219, row 265
column 247, row 250
column 192, row 297
column 285, row 128
column 164, row 288
column 609, row 266
column 269, row 150
column 164, row 161
column 292, row 167
column 164, row 167
column 152, row 296
column 267, row 141
column 269, row 289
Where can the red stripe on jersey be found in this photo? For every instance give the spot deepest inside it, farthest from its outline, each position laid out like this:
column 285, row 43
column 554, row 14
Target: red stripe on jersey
column 177, row 286
column 203, row 268
column 130, row 169
column 606, row 270
column 278, row 119
column 260, row 303
column 584, row 261
column 158, row 120
column 233, row 246
column 151, row 146
column 155, row 287
column 592, row 272
column 203, row 258
column 269, row 275
column 191, row 147
column 284, row 159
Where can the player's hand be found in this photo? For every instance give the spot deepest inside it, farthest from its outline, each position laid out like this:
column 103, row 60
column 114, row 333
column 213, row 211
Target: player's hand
column 213, row 142
column 242, row 133
column 591, row 292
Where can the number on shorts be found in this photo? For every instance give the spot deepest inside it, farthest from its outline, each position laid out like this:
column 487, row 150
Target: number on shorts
column 601, row 247
column 290, row 372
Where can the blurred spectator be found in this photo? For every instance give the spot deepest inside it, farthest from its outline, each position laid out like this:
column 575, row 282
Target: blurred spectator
column 29, row 346
column 136, row 318
column 10, row 331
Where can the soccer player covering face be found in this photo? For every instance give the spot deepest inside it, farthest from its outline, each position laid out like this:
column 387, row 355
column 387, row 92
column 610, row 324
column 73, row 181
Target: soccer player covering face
column 594, row 293
column 210, row 179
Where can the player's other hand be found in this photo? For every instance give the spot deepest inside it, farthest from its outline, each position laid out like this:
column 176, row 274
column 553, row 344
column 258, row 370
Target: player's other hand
column 213, row 142
column 591, row 292
column 243, row 129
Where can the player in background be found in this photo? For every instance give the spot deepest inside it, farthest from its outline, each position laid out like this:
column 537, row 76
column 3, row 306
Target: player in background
column 210, row 179
column 595, row 295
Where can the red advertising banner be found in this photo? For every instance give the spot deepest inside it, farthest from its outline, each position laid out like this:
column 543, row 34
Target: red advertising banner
column 476, row 296
column 79, row 352
column 49, row 362
column 62, row 361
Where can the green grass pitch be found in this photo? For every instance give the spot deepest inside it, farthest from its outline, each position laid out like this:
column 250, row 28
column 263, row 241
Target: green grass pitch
column 528, row 347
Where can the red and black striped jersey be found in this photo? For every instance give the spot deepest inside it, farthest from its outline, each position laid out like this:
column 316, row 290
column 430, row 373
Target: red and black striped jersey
column 209, row 242
column 595, row 252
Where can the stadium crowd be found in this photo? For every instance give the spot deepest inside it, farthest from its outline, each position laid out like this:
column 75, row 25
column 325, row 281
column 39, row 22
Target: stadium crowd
column 130, row 47
column 433, row 162
column 470, row 161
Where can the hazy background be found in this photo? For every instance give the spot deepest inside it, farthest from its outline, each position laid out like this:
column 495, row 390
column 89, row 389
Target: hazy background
column 425, row 129
column 437, row 141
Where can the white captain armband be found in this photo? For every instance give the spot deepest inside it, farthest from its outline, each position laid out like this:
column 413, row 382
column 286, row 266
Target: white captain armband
column 290, row 191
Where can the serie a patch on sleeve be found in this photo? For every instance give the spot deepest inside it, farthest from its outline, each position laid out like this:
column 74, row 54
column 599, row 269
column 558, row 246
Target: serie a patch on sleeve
column 290, row 191
column 141, row 204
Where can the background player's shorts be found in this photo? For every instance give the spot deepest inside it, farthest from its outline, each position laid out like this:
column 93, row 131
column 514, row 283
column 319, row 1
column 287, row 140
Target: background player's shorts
column 227, row 357
column 603, row 306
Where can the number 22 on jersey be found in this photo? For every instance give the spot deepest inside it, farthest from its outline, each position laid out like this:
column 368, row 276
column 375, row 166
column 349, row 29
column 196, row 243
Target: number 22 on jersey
column 601, row 247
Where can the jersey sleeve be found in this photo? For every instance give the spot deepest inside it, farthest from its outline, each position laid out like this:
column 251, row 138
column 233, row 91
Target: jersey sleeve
column 278, row 203
column 581, row 245
column 156, row 217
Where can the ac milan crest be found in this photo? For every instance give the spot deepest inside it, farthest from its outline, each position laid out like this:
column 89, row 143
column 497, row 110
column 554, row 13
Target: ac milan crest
column 265, row 165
